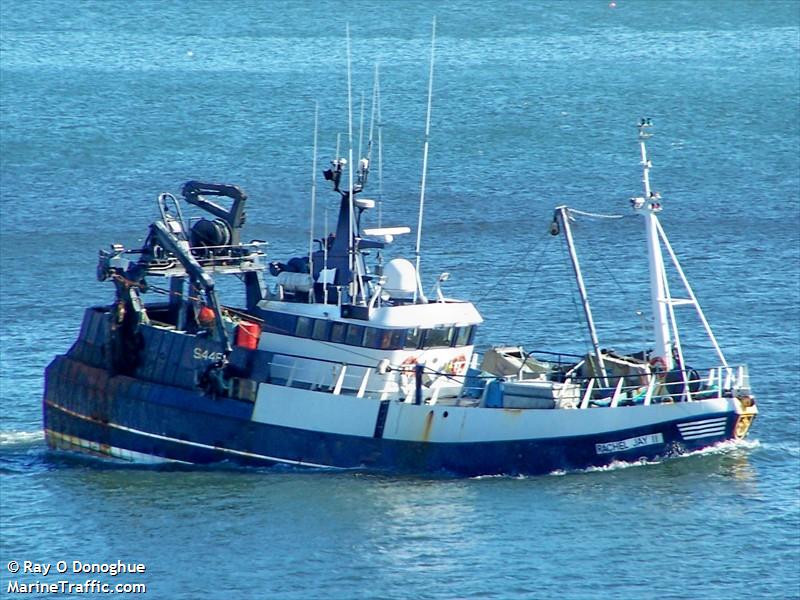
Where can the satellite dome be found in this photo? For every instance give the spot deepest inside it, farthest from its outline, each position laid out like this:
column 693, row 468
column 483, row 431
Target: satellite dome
column 401, row 278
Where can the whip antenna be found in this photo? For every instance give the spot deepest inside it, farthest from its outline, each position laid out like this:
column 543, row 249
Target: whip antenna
column 380, row 145
column 313, row 202
column 425, row 162
column 350, row 164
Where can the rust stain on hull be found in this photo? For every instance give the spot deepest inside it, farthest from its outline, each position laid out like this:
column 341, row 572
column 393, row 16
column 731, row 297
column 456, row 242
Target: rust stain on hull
column 426, row 430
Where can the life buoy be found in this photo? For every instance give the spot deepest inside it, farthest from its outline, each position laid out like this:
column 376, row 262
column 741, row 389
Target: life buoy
column 457, row 366
column 658, row 365
column 406, row 369
column 742, row 426
column 408, row 364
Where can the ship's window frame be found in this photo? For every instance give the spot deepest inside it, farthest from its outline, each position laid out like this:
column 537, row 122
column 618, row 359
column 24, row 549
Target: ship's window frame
column 433, row 337
column 304, row 327
column 355, row 335
column 413, row 338
column 280, row 323
column 464, row 336
column 398, row 339
column 384, row 339
column 320, row 330
column 373, row 337
column 338, row 332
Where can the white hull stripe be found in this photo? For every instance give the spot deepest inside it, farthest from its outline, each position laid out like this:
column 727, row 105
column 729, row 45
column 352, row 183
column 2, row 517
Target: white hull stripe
column 165, row 438
column 104, row 449
column 702, row 422
column 704, row 435
column 701, row 429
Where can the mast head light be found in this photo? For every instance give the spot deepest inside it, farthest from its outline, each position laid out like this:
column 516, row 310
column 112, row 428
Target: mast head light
column 643, row 124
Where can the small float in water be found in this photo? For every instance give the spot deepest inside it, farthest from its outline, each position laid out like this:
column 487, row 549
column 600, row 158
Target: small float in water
column 335, row 363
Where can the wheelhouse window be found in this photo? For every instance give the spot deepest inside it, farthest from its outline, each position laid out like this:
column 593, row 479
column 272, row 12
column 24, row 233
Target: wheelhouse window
column 303, row 328
column 355, row 335
column 413, row 338
column 372, row 338
column 441, row 337
column 320, row 330
column 464, row 335
column 338, row 331
column 397, row 338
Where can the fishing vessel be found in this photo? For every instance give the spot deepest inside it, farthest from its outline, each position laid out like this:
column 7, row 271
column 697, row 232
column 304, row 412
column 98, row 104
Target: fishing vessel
column 334, row 362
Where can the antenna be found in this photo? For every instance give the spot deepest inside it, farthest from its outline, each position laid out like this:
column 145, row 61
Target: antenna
column 425, row 162
column 376, row 114
column 361, row 128
column 372, row 113
column 350, row 254
column 313, row 203
column 380, row 145
column 325, row 259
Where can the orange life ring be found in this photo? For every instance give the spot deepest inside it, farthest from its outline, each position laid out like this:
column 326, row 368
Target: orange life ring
column 407, row 370
column 408, row 364
column 658, row 365
column 457, row 366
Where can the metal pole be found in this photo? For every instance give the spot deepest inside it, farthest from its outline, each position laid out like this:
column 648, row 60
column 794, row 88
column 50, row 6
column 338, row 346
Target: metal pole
column 656, row 261
column 418, row 369
column 563, row 214
column 425, row 164
column 313, row 204
column 350, row 249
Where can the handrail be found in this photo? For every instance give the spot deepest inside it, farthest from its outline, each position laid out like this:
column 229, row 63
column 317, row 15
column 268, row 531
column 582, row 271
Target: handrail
column 623, row 390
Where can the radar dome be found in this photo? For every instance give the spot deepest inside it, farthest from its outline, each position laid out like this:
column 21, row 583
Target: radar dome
column 401, row 278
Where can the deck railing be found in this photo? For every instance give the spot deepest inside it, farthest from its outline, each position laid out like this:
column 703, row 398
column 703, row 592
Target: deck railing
column 421, row 384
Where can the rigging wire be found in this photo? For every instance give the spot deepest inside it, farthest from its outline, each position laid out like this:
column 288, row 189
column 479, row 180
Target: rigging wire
column 578, row 316
column 626, row 293
column 531, row 280
column 582, row 213
column 534, row 245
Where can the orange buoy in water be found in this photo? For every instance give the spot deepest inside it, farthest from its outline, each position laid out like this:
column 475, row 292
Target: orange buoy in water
column 247, row 334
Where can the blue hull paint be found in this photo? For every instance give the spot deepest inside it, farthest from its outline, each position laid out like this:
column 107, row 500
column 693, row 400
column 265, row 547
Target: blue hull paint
column 179, row 424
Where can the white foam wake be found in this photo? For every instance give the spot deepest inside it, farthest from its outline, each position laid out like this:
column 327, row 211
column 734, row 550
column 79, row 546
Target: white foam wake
column 20, row 438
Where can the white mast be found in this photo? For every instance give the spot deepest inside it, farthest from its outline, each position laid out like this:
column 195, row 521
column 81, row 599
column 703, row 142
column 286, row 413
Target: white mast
column 313, row 203
column 380, row 146
column 651, row 204
column 424, row 164
column 350, row 249
column 361, row 128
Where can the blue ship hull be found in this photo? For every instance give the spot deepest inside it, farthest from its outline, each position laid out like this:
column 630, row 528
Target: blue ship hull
column 88, row 409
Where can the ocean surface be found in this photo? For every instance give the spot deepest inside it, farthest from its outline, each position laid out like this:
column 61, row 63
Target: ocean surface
column 104, row 104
